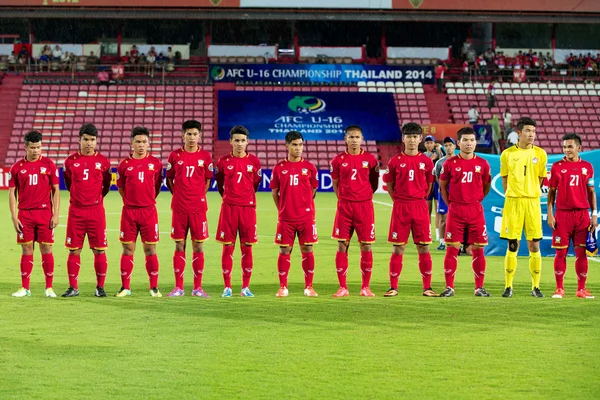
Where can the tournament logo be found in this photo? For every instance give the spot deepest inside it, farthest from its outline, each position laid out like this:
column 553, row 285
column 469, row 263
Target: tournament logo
column 169, row 166
column 217, row 73
column 306, row 104
column 210, row 167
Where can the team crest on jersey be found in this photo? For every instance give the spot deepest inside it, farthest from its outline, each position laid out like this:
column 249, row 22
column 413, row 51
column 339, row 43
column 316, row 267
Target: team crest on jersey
column 448, row 235
column 150, row 167
column 279, row 236
column 284, row 171
column 122, row 234
column 557, row 239
column 344, row 164
column 365, row 164
column 337, row 231
column 98, row 165
column 249, row 168
column 20, row 236
column 422, row 165
column 42, row 170
column 222, row 235
column 478, row 168
column 210, row 167
column 68, row 240
column 304, row 171
column 534, row 160
column 584, row 171
column 201, row 163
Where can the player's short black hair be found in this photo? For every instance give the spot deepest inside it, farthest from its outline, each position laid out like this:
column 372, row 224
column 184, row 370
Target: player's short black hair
column 467, row 130
column 525, row 121
column 88, row 129
column 573, row 136
column 139, row 130
column 293, row 135
column 412, row 128
column 239, row 130
column 353, row 128
column 191, row 124
column 32, row 136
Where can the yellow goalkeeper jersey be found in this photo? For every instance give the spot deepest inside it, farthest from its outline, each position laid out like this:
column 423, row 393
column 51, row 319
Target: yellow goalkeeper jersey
column 524, row 168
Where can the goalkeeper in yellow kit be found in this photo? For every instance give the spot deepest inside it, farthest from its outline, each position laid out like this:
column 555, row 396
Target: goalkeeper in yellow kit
column 523, row 169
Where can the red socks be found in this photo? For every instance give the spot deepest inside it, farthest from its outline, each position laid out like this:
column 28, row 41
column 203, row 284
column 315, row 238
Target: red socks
column 100, row 266
column 425, row 268
column 581, row 267
column 227, row 264
column 152, row 270
column 26, row 268
column 478, row 265
column 366, row 267
column 179, row 268
column 308, row 266
column 341, row 267
column 560, row 267
column 126, row 271
column 247, row 263
column 198, row 268
column 450, row 265
column 73, row 266
column 283, row 268
column 395, row 269
column 48, row 267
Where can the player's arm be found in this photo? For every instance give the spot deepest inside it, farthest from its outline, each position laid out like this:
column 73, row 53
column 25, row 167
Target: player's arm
column 374, row 177
column 220, row 178
column 444, row 191
column 55, row 206
column 106, row 180
column 429, row 189
column 504, row 170
column 67, row 176
column 170, row 172
column 486, row 188
column 390, row 189
column 551, row 199
column 275, row 194
column 257, row 175
column 592, row 199
column 12, row 204
column 158, row 184
column 334, row 183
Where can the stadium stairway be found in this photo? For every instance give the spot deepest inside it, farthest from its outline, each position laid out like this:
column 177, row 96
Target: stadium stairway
column 10, row 90
column 437, row 105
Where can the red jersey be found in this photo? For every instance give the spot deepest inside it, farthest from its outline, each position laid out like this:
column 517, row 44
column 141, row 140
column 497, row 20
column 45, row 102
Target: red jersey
column 141, row 180
column 189, row 172
column 411, row 176
column 295, row 181
column 33, row 181
column 238, row 178
column 356, row 175
column 466, row 178
column 87, row 178
column 571, row 179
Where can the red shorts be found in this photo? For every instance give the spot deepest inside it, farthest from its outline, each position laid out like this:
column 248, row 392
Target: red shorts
column 287, row 230
column 36, row 227
column 234, row 219
column 410, row 216
column 143, row 220
column 354, row 216
column 570, row 225
column 466, row 224
column 196, row 223
column 90, row 221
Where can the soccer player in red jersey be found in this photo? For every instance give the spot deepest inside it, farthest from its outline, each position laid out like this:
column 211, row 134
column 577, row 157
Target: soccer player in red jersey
column 139, row 178
column 572, row 187
column 294, row 183
column 355, row 176
column 87, row 177
column 238, row 176
column 33, row 190
column 409, row 181
column 465, row 180
column 189, row 172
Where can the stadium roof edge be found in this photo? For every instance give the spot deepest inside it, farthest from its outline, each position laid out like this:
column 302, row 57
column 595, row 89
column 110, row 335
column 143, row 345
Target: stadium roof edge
column 262, row 14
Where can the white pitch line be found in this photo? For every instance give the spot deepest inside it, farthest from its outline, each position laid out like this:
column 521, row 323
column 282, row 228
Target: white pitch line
column 383, row 203
column 594, row 259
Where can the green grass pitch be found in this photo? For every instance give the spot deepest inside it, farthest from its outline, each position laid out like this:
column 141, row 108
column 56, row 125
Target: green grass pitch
column 312, row 348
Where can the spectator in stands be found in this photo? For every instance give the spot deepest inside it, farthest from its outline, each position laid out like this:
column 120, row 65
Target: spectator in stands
column 481, row 65
column 161, row 60
column 440, row 70
column 22, row 62
column 12, row 62
column 65, row 60
column 170, row 55
column 103, row 78
column 134, row 52
column 150, row 62
column 92, row 61
column 507, row 117
column 24, row 52
column 465, row 71
column 512, row 138
column 141, row 63
column 134, row 58
column 491, row 94
column 591, row 67
column 126, row 61
column 57, row 53
column 44, row 60
column 489, row 56
column 548, row 61
column 473, row 115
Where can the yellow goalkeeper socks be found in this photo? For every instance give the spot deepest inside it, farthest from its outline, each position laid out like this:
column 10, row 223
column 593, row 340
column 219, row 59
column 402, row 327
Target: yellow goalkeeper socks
column 535, row 267
column 510, row 266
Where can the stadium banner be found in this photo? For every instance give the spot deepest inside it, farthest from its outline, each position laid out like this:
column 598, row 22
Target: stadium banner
column 494, row 203
column 320, row 73
column 318, row 116
column 440, row 131
column 123, row 3
column 484, row 135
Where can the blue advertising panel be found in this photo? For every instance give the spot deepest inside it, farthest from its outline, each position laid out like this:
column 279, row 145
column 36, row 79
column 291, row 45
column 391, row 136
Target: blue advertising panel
column 320, row 73
column 484, row 135
column 318, row 116
column 494, row 202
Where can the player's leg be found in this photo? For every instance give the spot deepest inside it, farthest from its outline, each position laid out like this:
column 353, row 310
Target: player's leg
column 248, row 236
column 226, row 235
column 76, row 227
column 25, row 238
column 96, row 232
column 454, row 232
column 364, row 221
column 513, row 220
column 127, row 237
column 398, row 234
column 152, row 268
column 442, row 216
column 179, row 230
column 45, row 238
column 342, row 232
column 560, row 241
column 533, row 234
column 149, row 232
column 284, row 238
column 477, row 239
column 581, row 262
column 307, row 237
column 421, row 232
column 199, row 232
